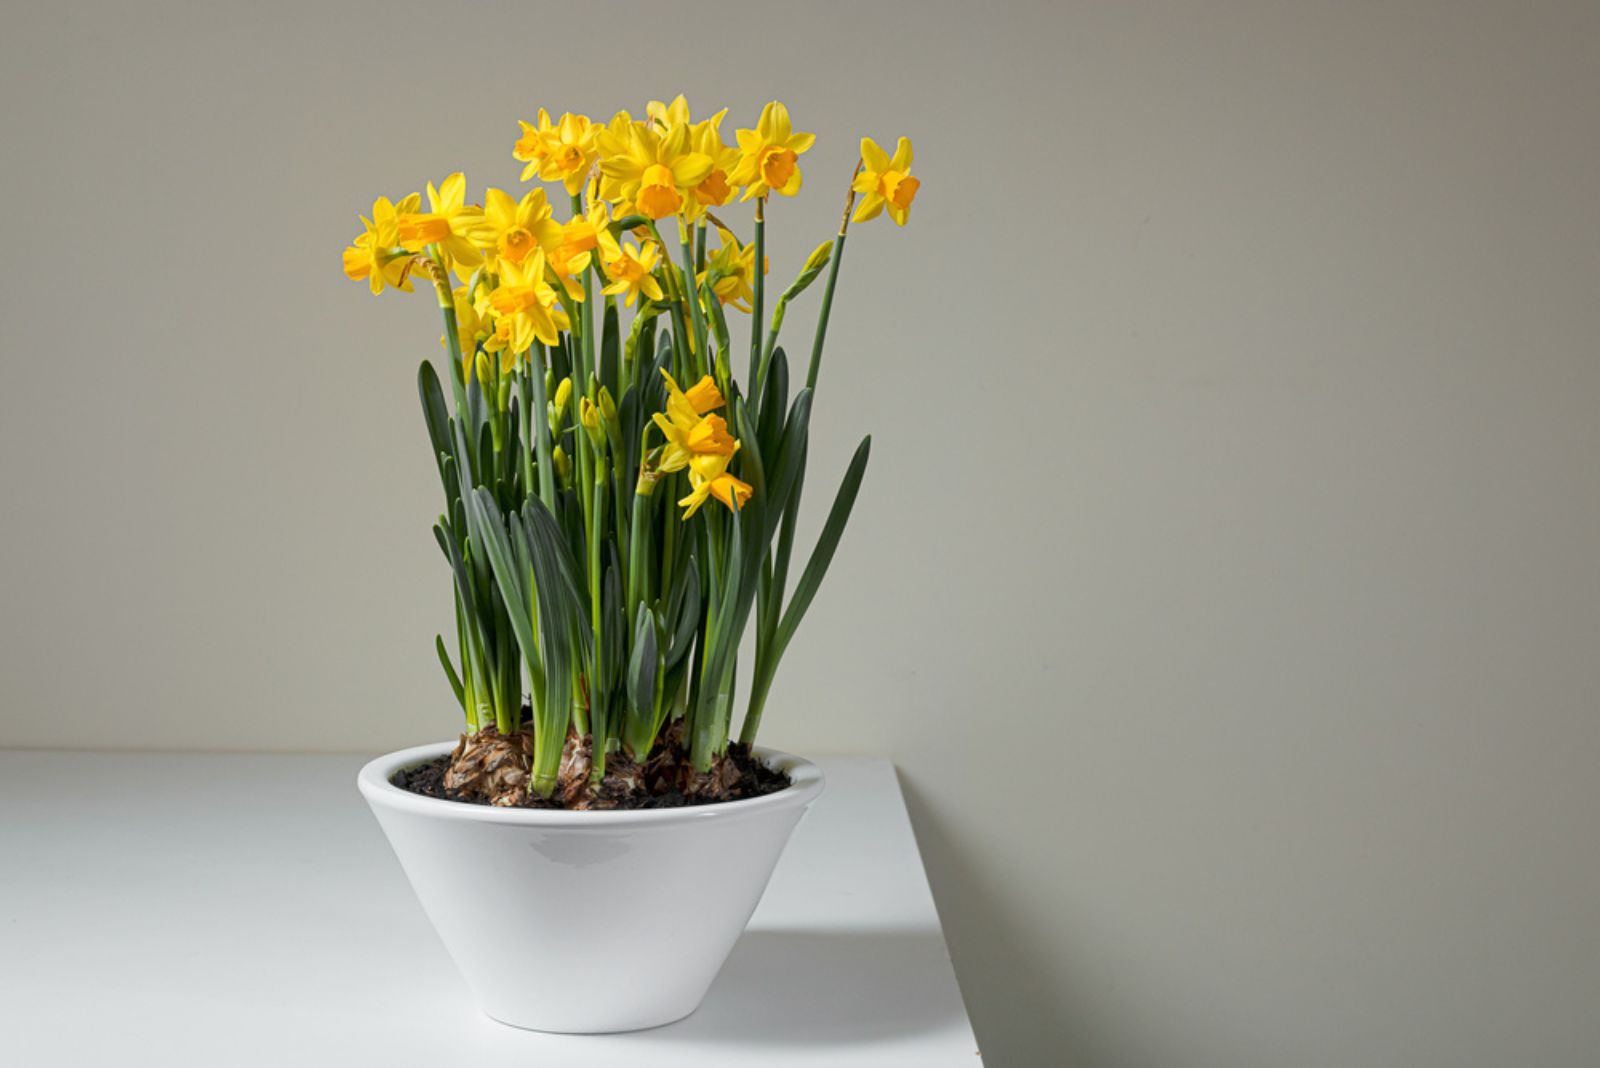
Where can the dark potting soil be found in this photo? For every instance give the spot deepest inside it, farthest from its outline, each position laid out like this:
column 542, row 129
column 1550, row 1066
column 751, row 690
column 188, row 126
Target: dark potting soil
column 755, row 780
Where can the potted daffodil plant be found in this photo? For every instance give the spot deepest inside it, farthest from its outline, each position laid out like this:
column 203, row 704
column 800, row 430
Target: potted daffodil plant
column 622, row 474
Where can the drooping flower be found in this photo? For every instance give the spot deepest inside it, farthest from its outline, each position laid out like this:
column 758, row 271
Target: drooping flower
column 697, row 400
column 768, row 155
column 689, row 428
column 376, row 255
column 731, row 271
column 519, row 228
column 699, row 442
column 456, row 227
column 527, row 305
column 884, row 182
column 723, row 486
column 649, row 171
column 630, row 272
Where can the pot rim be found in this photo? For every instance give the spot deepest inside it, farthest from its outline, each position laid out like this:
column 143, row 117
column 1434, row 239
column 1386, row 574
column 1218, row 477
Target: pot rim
column 806, row 781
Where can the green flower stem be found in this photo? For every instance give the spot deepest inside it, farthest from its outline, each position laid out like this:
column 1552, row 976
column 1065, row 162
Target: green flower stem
column 680, row 335
column 468, row 702
column 525, row 436
column 452, row 335
column 541, row 430
column 669, row 537
column 507, row 684
column 701, row 341
column 638, row 576
column 757, row 363
column 827, row 307
column 769, row 611
column 597, row 672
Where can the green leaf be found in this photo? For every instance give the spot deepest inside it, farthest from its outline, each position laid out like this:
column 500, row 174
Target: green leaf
column 610, row 350
column 642, row 664
column 827, row 543
column 684, row 606
column 436, row 416
column 774, row 398
column 450, row 671
column 791, row 462
column 489, row 530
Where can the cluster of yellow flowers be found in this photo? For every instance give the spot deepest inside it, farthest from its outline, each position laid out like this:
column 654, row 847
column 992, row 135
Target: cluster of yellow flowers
column 522, row 271
column 699, row 442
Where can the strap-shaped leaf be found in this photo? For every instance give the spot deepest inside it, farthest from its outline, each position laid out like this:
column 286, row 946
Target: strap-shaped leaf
column 489, row 531
column 827, row 543
column 642, row 664
column 450, row 671
column 612, row 633
column 791, row 461
column 684, row 607
column 561, row 606
column 774, row 399
column 730, row 614
column 445, row 535
column 436, row 416
column 610, row 350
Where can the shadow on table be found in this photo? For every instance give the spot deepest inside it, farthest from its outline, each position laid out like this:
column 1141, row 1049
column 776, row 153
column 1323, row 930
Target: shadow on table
column 827, row 987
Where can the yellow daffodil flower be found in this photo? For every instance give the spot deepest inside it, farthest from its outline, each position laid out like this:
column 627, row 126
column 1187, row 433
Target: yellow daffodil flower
column 885, row 182
column 526, row 304
column 723, row 486
column 531, row 146
column 690, row 431
column 648, row 170
column 573, row 244
column 476, row 328
column 716, row 189
column 684, row 413
column 712, row 191
column 519, row 228
column 731, row 271
column 630, row 273
column 666, row 116
column 566, row 153
column 376, row 255
column 700, row 442
column 457, row 228
column 768, row 155
column 684, row 406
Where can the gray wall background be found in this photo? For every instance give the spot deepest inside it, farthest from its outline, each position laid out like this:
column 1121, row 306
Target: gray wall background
column 1225, row 581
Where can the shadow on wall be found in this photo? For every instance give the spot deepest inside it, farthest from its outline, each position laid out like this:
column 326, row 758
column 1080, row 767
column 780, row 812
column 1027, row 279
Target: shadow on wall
column 995, row 959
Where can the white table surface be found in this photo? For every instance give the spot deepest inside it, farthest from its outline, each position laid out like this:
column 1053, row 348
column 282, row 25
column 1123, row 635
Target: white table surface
column 245, row 910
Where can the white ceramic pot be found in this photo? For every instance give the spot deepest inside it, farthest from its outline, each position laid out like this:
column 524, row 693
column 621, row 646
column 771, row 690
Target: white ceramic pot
column 587, row 921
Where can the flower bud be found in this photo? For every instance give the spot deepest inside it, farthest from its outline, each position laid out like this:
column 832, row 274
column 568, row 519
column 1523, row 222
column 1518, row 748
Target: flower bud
column 589, row 416
column 555, row 410
column 819, row 258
